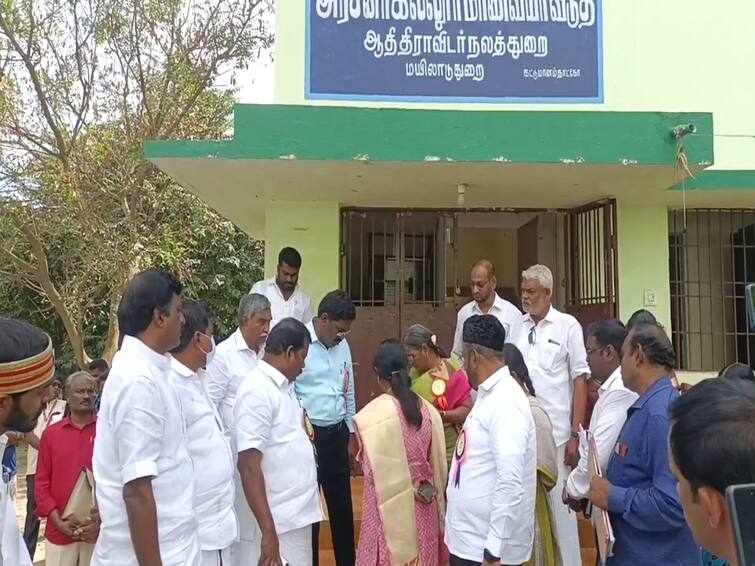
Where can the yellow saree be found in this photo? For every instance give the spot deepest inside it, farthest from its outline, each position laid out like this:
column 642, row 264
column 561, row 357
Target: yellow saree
column 382, row 442
column 545, row 551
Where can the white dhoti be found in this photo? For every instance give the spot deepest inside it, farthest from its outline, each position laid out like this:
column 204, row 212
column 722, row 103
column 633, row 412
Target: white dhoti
column 295, row 548
column 217, row 557
column 564, row 518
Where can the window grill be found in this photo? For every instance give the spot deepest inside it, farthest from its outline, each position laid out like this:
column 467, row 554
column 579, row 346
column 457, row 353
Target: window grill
column 712, row 258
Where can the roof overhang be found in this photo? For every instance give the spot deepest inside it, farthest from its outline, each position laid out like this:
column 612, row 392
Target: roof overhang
column 416, row 158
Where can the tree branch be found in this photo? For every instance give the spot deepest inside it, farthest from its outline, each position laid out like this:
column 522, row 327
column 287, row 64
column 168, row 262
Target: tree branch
column 38, row 89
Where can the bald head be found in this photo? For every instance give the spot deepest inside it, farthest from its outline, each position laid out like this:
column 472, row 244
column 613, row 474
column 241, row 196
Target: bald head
column 484, row 266
column 482, row 282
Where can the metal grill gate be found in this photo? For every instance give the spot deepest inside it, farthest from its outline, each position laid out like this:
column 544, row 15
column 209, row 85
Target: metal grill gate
column 395, row 265
column 712, row 258
column 592, row 282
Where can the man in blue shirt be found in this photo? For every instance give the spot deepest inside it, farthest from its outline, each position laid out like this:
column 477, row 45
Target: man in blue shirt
column 326, row 389
column 640, row 490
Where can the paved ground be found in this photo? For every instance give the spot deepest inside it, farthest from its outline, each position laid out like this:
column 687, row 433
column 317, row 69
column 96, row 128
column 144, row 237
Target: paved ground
column 39, row 556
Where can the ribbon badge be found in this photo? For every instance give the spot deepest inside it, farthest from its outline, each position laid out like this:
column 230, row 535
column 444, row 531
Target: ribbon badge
column 309, row 428
column 438, row 389
column 459, row 453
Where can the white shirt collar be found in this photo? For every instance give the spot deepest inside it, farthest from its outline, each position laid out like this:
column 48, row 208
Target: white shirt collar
column 498, row 304
column 181, row 369
column 272, row 284
column 238, row 340
column 278, row 378
column 609, row 383
column 552, row 315
column 495, row 379
column 135, row 346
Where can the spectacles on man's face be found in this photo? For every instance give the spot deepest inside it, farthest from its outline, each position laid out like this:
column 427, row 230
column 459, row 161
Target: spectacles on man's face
column 591, row 351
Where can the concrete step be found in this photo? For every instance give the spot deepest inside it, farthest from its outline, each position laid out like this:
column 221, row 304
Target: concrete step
column 586, row 531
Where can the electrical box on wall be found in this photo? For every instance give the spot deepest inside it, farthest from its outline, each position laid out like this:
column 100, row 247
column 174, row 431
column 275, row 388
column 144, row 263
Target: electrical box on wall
column 650, row 299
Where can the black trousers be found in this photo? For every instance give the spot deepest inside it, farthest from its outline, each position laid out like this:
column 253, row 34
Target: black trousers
column 456, row 561
column 31, row 526
column 334, row 475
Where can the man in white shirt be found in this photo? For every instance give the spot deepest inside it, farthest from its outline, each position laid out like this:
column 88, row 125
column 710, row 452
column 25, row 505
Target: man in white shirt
column 604, row 341
column 27, row 366
column 52, row 413
column 238, row 355
column 553, row 347
column 286, row 296
column 490, row 518
column 143, row 473
column 209, row 447
column 236, row 358
column 483, row 282
column 276, row 453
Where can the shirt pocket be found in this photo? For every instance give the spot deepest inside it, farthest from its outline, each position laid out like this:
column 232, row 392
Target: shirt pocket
column 550, row 354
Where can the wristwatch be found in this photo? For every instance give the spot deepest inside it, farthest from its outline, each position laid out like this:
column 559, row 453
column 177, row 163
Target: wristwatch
column 488, row 556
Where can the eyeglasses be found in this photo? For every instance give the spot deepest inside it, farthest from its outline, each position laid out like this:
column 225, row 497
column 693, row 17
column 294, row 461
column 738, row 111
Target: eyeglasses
column 591, row 351
column 532, row 337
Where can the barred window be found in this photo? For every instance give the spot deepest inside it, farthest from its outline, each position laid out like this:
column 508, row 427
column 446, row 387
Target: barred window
column 712, row 258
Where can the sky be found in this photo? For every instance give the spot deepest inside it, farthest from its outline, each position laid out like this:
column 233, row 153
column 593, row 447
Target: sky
column 256, row 83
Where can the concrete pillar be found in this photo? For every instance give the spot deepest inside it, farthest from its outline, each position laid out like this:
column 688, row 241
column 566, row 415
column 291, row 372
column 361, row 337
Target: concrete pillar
column 313, row 228
column 643, row 252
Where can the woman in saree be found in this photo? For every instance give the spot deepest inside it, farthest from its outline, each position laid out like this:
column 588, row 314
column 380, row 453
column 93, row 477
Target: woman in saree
column 402, row 452
column 545, row 551
column 439, row 380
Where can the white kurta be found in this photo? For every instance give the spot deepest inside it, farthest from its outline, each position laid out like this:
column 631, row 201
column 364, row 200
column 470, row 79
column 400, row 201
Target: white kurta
column 13, row 550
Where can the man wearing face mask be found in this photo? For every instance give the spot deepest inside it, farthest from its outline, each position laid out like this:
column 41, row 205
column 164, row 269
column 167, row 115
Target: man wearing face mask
column 209, row 447
column 326, row 389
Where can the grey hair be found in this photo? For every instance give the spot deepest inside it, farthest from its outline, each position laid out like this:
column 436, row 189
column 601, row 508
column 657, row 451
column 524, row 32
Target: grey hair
column 484, row 351
column 76, row 375
column 250, row 305
column 540, row 273
column 418, row 335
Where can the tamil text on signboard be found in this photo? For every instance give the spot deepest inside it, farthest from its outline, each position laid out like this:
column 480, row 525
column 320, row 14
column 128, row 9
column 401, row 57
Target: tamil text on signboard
column 497, row 50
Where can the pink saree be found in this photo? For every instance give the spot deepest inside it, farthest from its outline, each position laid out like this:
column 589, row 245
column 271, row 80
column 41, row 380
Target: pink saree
column 374, row 549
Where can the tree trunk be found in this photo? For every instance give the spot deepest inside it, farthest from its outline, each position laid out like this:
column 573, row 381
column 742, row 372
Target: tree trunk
column 112, row 342
column 73, row 330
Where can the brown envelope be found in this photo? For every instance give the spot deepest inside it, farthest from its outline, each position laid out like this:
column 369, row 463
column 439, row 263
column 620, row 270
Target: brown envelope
column 81, row 500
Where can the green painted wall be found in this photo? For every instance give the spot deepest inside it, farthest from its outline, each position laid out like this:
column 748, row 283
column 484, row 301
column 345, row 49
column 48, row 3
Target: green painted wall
column 313, row 228
column 654, row 60
column 643, row 260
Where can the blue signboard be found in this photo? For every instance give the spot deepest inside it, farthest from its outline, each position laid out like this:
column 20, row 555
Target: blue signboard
column 455, row 50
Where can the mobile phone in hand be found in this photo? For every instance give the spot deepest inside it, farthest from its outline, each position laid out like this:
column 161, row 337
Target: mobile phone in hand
column 741, row 502
column 427, row 491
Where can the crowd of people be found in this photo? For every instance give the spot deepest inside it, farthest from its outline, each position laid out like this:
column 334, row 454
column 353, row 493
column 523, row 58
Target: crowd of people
column 184, row 452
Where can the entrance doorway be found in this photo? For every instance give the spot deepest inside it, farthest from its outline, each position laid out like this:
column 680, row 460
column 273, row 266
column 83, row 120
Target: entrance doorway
column 403, row 267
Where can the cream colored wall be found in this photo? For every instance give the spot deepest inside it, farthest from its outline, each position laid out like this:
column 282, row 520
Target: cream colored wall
column 643, row 260
column 670, row 55
column 313, row 228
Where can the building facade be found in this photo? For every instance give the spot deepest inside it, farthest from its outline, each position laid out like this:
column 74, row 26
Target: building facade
column 612, row 141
